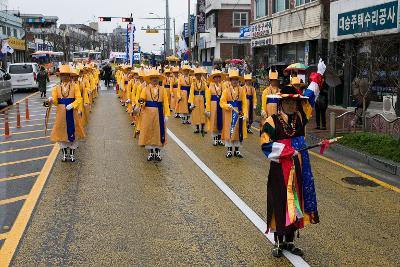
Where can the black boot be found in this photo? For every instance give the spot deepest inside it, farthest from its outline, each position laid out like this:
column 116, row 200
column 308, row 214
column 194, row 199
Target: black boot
column 215, row 141
column 150, row 157
column 72, row 154
column 65, row 155
column 157, row 156
column 203, row 132
column 229, row 153
column 289, row 245
column 197, row 129
column 237, row 153
column 278, row 246
column 220, row 142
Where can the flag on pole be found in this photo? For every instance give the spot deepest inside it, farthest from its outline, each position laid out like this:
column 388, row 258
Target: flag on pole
column 6, row 48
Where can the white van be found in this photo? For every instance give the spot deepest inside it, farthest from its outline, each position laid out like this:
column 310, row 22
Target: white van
column 23, row 75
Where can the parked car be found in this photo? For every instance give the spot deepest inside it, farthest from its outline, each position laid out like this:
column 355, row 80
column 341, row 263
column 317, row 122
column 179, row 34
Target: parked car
column 23, row 75
column 6, row 89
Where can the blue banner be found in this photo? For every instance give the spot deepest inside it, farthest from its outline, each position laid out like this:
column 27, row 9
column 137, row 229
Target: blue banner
column 235, row 117
column 374, row 18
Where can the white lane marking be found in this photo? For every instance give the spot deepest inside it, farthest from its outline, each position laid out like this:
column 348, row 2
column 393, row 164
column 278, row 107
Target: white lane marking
column 244, row 208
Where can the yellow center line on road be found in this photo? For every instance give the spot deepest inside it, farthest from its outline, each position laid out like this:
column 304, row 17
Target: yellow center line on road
column 23, row 99
column 11, row 243
column 12, row 200
column 11, row 178
column 25, row 149
column 24, row 140
column 16, row 133
column 357, row 172
column 22, row 161
column 3, row 236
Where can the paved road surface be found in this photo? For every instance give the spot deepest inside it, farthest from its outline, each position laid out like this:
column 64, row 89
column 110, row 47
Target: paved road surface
column 113, row 207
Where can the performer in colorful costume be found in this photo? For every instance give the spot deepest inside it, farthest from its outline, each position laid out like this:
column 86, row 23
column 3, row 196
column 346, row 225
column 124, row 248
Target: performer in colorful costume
column 67, row 129
column 291, row 197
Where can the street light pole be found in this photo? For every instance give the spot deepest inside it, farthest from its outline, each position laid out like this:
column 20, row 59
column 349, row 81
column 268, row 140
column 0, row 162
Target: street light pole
column 189, row 33
column 174, row 39
column 167, row 32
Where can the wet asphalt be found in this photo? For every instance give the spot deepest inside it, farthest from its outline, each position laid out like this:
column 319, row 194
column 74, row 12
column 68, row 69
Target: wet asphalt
column 114, row 207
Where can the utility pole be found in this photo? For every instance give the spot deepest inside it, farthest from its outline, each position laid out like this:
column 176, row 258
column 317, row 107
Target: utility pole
column 174, row 39
column 167, row 40
column 189, row 33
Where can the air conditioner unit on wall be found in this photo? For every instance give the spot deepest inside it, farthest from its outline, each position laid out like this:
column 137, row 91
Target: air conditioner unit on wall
column 389, row 103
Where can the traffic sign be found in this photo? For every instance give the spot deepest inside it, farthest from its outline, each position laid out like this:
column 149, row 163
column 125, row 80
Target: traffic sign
column 151, row 31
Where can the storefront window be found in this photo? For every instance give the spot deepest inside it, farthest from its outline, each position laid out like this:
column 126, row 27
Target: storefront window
column 287, row 53
column 261, row 8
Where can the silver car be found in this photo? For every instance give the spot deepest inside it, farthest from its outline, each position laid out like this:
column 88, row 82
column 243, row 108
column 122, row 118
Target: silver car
column 6, row 90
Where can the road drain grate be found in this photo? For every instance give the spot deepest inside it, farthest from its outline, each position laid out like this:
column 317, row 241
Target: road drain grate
column 360, row 181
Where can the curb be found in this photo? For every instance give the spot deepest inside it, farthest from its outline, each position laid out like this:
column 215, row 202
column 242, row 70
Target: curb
column 376, row 162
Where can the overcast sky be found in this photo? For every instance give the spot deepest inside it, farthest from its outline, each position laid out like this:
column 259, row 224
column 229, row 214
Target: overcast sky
column 85, row 11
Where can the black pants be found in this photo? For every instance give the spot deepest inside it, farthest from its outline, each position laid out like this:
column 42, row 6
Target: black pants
column 43, row 94
column 107, row 82
column 320, row 115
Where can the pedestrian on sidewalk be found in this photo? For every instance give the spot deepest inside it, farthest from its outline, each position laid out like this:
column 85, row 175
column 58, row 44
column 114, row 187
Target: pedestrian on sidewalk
column 251, row 97
column 321, row 105
column 182, row 104
column 291, row 197
column 197, row 101
column 233, row 100
column 213, row 109
column 42, row 80
column 67, row 129
column 154, row 115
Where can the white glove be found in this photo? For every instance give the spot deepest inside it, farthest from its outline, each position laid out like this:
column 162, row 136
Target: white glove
column 321, row 67
column 136, row 108
column 191, row 106
column 50, row 99
column 69, row 107
column 244, row 118
column 165, row 119
column 295, row 153
column 230, row 106
column 263, row 113
column 208, row 114
column 254, row 108
column 128, row 101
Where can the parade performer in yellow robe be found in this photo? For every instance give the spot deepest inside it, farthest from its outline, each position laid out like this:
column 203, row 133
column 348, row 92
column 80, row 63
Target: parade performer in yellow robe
column 67, row 129
column 154, row 115
column 75, row 78
column 140, row 84
column 267, row 109
column 197, row 101
column 174, row 89
column 213, row 109
column 234, row 103
column 251, row 96
column 182, row 104
column 167, row 83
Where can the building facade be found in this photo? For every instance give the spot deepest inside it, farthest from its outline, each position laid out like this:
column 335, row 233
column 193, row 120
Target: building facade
column 11, row 30
column 365, row 44
column 224, row 20
column 289, row 31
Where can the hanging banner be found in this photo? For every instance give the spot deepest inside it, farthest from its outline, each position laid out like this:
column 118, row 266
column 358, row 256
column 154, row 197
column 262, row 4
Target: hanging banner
column 201, row 16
